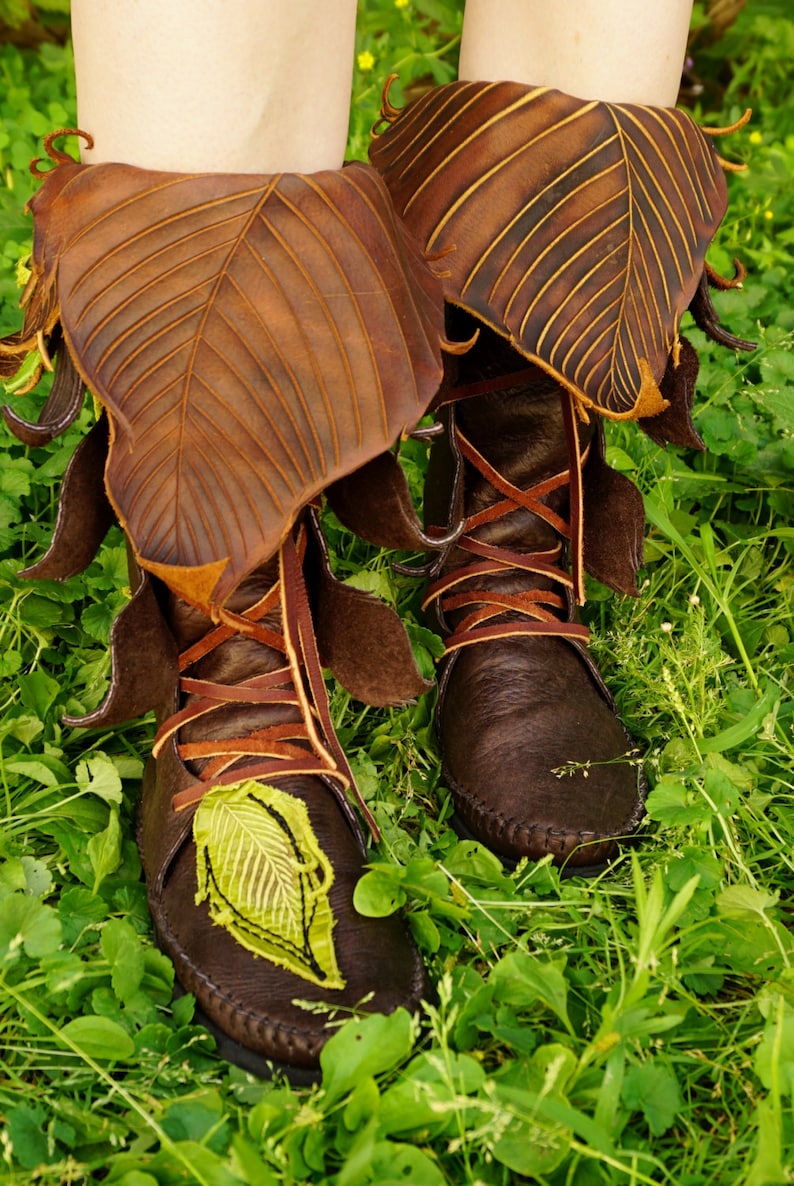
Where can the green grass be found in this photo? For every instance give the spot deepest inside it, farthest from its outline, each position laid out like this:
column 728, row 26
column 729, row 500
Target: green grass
column 631, row 1029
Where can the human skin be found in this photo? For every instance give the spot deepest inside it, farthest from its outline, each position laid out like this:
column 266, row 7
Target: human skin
column 620, row 51
column 253, row 86
column 263, row 86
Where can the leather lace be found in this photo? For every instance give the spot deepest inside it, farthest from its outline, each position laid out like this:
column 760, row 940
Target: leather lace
column 541, row 611
column 308, row 746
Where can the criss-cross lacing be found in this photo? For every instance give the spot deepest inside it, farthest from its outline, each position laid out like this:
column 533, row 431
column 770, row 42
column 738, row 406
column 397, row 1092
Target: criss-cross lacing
column 306, row 746
column 540, row 611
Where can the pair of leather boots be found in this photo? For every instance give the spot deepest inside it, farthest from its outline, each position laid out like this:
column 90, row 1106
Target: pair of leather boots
column 514, row 261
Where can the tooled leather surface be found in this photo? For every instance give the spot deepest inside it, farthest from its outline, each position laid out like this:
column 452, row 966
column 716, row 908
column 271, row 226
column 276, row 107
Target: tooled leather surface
column 578, row 229
column 230, row 304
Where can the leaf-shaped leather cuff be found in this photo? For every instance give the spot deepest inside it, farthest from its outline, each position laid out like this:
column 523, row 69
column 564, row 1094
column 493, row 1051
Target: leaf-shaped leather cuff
column 575, row 228
column 252, row 338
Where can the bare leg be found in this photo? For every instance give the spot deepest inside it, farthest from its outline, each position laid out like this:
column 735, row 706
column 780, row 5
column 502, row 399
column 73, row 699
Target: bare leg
column 620, row 51
column 249, row 86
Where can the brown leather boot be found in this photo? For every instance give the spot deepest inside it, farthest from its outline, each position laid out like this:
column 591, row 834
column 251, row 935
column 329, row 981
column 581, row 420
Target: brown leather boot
column 573, row 233
column 250, row 847
column 536, row 759
column 219, row 321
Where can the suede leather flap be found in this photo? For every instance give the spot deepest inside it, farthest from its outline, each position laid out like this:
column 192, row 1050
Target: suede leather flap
column 359, row 637
column 614, row 523
column 84, row 513
column 144, row 662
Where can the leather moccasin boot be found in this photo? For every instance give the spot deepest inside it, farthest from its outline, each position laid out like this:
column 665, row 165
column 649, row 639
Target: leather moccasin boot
column 576, row 231
column 250, row 847
column 537, row 761
column 219, row 320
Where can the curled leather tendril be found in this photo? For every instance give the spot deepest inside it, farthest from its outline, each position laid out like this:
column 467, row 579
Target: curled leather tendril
column 723, row 283
column 741, row 122
column 388, row 112
column 58, row 155
column 730, row 166
column 44, row 353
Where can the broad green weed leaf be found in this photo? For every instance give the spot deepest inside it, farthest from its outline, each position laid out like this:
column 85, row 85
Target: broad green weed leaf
column 774, row 1056
column 99, row 776
column 744, row 901
column 522, row 979
column 27, row 1137
column 379, row 893
column 12, row 876
column 398, row 1165
column 427, row 639
column 78, row 910
column 25, row 728
column 424, row 931
column 365, row 773
column 530, row 1147
column 384, row 888
column 27, row 923
column 191, row 1162
column 63, row 971
column 471, row 860
column 38, row 692
column 693, row 862
column 474, row 1004
column 127, row 766
column 374, row 581
column 38, row 878
column 37, row 769
column 723, row 791
column 158, row 976
column 272, row 1113
column 104, row 850
column 122, row 948
column 748, row 944
column 248, row 1165
column 10, row 663
column 183, row 1007
column 192, row 1117
column 365, row 1046
column 430, row 1094
column 363, row 1103
column 671, row 802
column 99, row 1037
column 767, row 1168
column 136, row 1178
column 654, row 1091
column 507, row 1025
column 357, row 1170
column 97, row 620
column 26, row 874
column 15, row 476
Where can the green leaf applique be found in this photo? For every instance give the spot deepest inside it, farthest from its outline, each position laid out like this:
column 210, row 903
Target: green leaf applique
column 266, row 879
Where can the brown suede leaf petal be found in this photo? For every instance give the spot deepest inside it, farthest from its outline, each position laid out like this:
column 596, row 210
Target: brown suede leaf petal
column 577, row 229
column 252, row 338
column 674, row 425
